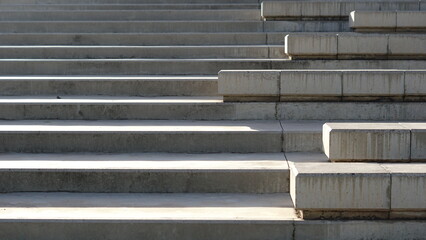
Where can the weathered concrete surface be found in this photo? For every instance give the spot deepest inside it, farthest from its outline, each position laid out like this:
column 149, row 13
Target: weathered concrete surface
column 261, row 85
column 300, row 136
column 366, row 142
column 408, row 190
column 418, row 140
column 144, row 173
column 388, row 21
column 140, row 136
column 313, row 45
column 310, row 85
column 323, row 186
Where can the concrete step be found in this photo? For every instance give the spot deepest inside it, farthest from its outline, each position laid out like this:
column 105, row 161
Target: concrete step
column 131, row 15
column 78, row 2
column 130, row 108
column 183, row 66
column 324, row 190
column 169, row 26
column 152, row 6
column 355, row 46
column 140, row 136
column 322, row 85
column 389, row 21
column 171, row 52
column 140, row 39
column 273, row 10
column 157, row 216
column 379, row 142
column 355, row 111
column 147, row 86
column 145, row 173
column 179, row 216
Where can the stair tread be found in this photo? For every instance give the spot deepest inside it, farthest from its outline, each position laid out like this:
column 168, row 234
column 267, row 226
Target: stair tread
column 147, row 207
column 144, row 162
column 140, row 126
column 107, row 100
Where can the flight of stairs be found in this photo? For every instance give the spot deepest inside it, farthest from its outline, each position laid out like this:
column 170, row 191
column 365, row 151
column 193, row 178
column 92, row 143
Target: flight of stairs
column 112, row 125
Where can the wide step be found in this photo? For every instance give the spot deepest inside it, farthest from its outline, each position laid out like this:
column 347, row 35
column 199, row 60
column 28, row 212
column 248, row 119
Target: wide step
column 144, row 173
column 140, row 136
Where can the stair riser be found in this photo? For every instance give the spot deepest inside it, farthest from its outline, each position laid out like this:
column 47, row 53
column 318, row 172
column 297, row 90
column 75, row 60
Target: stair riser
column 145, row 182
column 185, row 142
column 142, row 52
column 131, row 15
column 180, row 67
column 214, row 111
column 169, row 26
column 133, row 230
column 149, row 39
column 120, row 87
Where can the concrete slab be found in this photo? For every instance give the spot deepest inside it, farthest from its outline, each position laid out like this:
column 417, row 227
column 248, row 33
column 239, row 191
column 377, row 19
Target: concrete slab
column 323, row 46
column 362, row 45
column 415, row 86
column 249, row 85
column 144, row 173
column 310, row 85
column 408, row 189
column 370, row 85
column 140, row 136
column 326, row 187
column 302, row 136
column 373, row 20
column 418, row 140
column 366, row 142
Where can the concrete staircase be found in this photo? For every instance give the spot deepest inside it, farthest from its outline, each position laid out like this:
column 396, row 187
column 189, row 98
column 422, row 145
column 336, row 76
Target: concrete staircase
column 114, row 123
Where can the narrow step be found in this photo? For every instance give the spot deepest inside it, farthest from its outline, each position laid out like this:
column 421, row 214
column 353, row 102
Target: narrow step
column 355, row 46
column 391, row 21
column 131, row 108
column 182, row 66
column 144, row 173
column 140, row 39
column 325, row 190
column 152, row 6
column 140, row 136
column 322, row 85
column 379, row 142
column 132, row 15
column 109, row 85
column 273, row 10
column 169, row 26
column 170, row 52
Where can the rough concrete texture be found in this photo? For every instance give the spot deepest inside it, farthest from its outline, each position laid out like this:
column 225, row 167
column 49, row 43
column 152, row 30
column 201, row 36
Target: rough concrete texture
column 358, row 46
column 156, row 172
column 396, row 189
column 328, row 9
column 388, row 20
column 366, row 142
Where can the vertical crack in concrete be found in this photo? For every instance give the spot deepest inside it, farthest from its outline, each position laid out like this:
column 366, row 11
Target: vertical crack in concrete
column 282, row 136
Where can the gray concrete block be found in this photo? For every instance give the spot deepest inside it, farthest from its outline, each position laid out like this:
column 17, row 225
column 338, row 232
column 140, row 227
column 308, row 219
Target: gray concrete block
column 262, row 85
column 323, row 186
column 372, row 84
column 415, row 85
column 418, row 140
column 277, row 9
column 310, row 85
column 299, row 136
column 362, row 46
column 365, row 20
column 411, row 20
column 324, row 46
column 407, row 44
column 408, row 188
column 369, row 111
column 366, row 142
